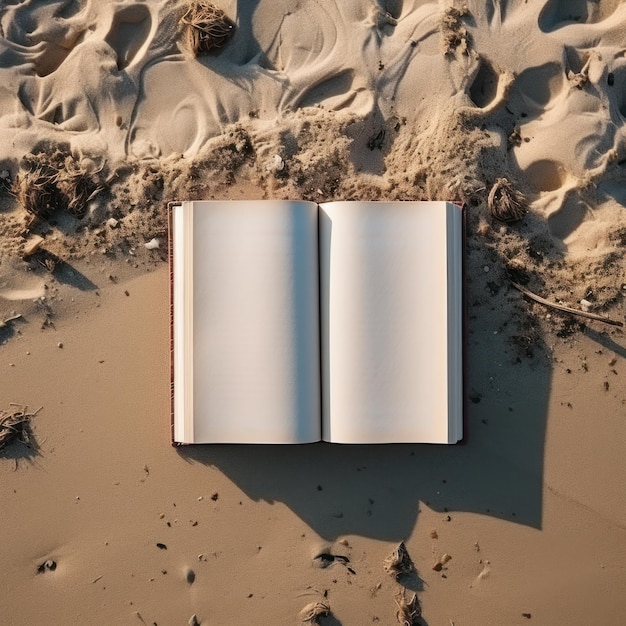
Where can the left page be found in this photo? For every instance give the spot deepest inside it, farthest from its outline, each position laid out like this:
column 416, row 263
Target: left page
column 245, row 322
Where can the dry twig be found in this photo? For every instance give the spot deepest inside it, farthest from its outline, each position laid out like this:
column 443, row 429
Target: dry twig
column 5, row 322
column 565, row 309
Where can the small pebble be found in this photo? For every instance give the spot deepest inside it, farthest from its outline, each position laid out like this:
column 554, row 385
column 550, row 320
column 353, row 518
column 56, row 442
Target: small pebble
column 277, row 164
column 59, row 345
column 486, row 269
column 193, row 621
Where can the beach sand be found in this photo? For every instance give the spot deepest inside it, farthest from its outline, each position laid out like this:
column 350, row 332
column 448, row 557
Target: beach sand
column 104, row 522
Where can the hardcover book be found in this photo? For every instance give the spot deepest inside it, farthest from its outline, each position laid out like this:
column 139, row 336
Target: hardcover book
column 294, row 322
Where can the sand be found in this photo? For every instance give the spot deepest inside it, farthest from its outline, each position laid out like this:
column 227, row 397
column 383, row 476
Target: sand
column 323, row 101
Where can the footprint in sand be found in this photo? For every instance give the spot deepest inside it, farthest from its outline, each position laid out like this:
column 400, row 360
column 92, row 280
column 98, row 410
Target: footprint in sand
column 616, row 82
column 545, row 175
column 485, row 86
column 129, row 34
column 26, row 289
column 539, row 87
column 559, row 13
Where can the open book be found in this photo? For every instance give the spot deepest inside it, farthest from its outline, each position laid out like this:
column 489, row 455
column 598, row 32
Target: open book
column 294, row 322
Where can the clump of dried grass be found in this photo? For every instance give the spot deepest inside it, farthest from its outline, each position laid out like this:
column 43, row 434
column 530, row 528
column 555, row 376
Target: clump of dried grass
column 454, row 34
column 506, row 203
column 206, row 27
column 48, row 182
column 36, row 187
column 77, row 186
column 15, row 424
column 409, row 610
column 399, row 563
column 313, row 612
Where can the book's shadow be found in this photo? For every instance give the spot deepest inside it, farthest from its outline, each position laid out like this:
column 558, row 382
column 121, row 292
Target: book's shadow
column 377, row 490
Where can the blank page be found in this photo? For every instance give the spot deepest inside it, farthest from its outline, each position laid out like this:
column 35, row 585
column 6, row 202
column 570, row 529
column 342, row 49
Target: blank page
column 253, row 294
column 390, row 277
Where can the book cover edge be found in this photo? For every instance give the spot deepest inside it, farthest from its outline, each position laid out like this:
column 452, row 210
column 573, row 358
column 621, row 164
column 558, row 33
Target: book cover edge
column 464, row 316
column 170, row 250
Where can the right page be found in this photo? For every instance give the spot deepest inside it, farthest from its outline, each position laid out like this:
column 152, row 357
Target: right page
column 391, row 322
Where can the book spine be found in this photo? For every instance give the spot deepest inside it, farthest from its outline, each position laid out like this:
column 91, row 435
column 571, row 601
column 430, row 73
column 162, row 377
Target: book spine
column 170, row 254
column 464, row 322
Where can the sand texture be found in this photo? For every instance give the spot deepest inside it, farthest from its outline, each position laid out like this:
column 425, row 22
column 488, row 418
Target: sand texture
column 110, row 109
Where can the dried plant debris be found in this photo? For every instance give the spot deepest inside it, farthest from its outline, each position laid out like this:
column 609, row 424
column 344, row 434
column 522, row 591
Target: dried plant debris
column 514, row 139
column 77, row 185
column 438, row 565
column 566, row 309
column 580, row 79
column 313, row 612
column 206, row 27
column 15, row 424
column 36, row 187
column 454, row 35
column 409, row 610
column 48, row 260
column 506, row 203
column 7, row 320
column 48, row 182
column 399, row 563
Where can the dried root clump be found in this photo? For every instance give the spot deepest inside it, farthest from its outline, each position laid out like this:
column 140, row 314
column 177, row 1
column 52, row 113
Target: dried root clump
column 15, row 424
column 77, row 186
column 409, row 610
column 506, row 203
column 36, row 187
column 48, row 182
column 206, row 27
column 399, row 563
column 453, row 32
column 313, row 612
